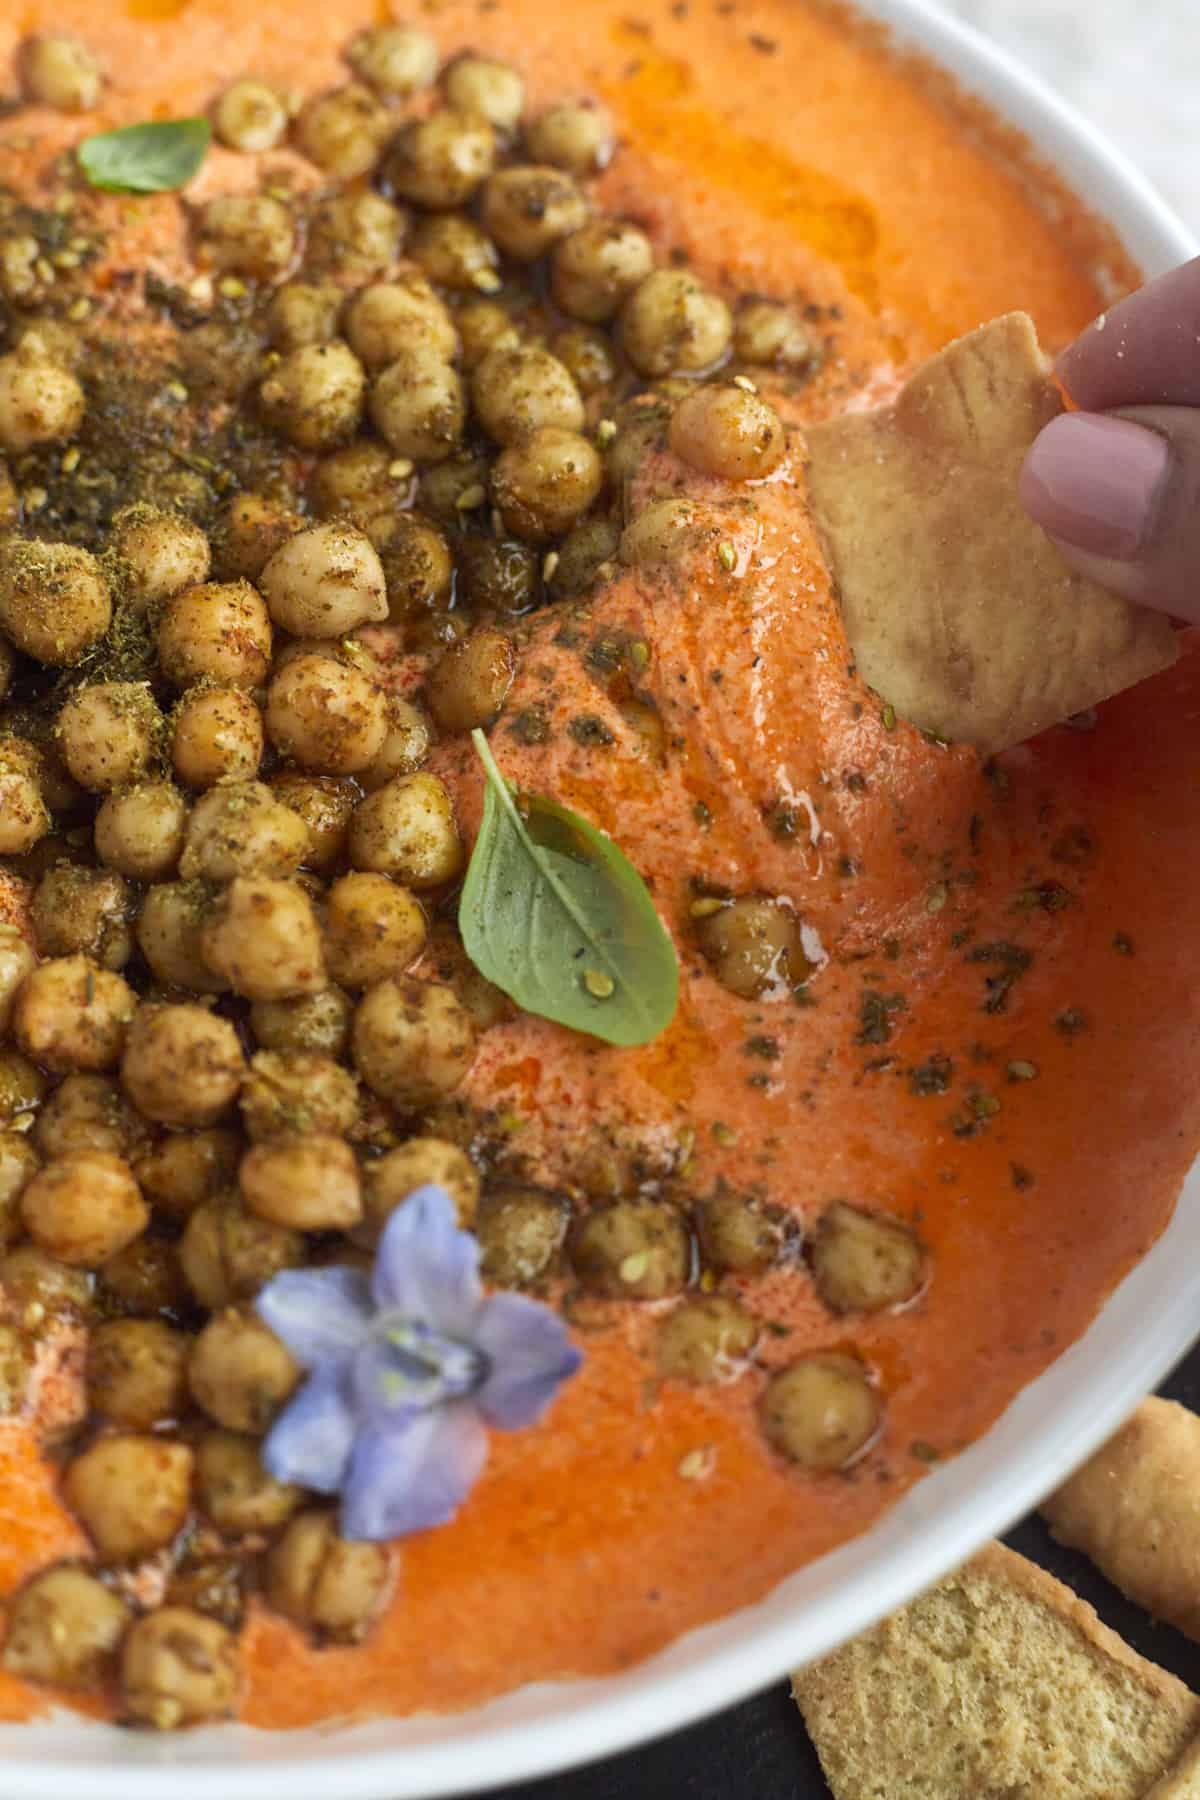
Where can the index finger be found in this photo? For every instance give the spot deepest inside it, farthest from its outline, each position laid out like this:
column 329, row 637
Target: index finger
column 1144, row 351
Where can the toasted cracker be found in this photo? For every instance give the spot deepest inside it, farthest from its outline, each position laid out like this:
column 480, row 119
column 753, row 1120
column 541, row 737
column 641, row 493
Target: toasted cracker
column 1134, row 1508
column 959, row 609
column 998, row 1684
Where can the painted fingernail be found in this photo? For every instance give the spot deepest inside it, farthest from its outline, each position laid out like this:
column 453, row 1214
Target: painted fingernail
column 1095, row 482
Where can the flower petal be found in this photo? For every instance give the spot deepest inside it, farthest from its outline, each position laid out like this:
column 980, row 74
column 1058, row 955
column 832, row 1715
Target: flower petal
column 425, row 1267
column 322, row 1315
column 311, row 1440
column 531, row 1355
column 411, row 1475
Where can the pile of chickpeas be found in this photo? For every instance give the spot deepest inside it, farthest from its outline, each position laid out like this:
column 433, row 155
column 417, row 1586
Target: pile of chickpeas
column 215, row 1061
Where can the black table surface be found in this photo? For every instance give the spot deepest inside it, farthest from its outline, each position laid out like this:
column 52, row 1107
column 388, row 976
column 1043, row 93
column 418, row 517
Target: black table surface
column 759, row 1750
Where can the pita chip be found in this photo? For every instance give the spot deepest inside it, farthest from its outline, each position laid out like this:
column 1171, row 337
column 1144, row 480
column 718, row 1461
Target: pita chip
column 959, row 609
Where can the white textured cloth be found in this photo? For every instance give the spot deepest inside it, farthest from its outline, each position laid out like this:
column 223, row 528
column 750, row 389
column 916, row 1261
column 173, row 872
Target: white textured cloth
column 1133, row 66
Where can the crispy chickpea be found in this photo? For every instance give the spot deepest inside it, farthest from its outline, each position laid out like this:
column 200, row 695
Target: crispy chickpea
column 137, row 1372
column 22, row 1086
column 327, row 717
column 242, row 828
column 753, row 944
column 314, row 396
column 439, row 161
column 422, row 1160
column 184, row 1169
column 325, row 582
column 108, row 731
column 84, row 1207
column 61, row 71
column 707, row 1339
column 468, row 686
column 727, row 431
column 768, row 332
column 182, row 1066
column 584, row 556
column 168, row 934
column 412, row 1041
column 544, row 483
column 575, row 136
column 407, row 829
column 391, row 318
column 489, row 89
column 72, row 1014
column 290, row 1092
column 216, row 735
column 139, row 831
column 18, row 1166
column 240, row 1372
column 822, row 1411
column 417, row 565
column 355, row 235
column 632, row 1250
column 396, row 60
column 86, row 911
column 356, row 484
column 54, row 600
column 318, row 1023
column 516, row 391
column 302, row 313
column 373, row 928
column 161, row 554
column 737, row 1235
column 863, row 1262
column 144, row 1278
column 589, row 355
column 227, row 1254
column 178, row 1667
column 317, row 1578
column 484, row 325
column 248, row 532
column 263, row 938
column 40, row 401
column 218, row 631
column 419, row 405
column 404, row 749
column 16, row 961
column 64, row 1627
column 235, row 1490
column 597, row 267
column 308, row 1182
column 343, row 131
column 24, row 816
column 324, row 803
column 87, row 1112
column 38, row 1284
column 521, row 1231
column 250, row 117
column 248, row 234
column 527, row 210
column 672, row 322
column 455, row 253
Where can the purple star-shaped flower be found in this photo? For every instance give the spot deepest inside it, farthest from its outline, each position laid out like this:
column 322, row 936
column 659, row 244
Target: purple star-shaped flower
column 406, row 1372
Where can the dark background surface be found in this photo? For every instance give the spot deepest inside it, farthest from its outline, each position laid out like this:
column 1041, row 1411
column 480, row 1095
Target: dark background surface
column 759, row 1750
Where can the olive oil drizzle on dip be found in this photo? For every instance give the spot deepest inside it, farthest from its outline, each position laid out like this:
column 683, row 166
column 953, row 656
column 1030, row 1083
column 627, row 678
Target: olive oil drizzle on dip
column 445, row 397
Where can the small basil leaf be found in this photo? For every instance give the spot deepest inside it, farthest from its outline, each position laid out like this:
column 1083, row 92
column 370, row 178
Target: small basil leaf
column 557, row 917
column 145, row 159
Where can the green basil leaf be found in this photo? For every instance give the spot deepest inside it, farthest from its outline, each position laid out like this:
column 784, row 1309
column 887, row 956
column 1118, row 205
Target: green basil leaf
column 145, row 159
column 554, row 914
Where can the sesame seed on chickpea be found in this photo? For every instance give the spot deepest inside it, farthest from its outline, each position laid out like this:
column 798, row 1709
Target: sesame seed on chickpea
column 329, row 718
column 217, row 735
column 407, row 829
column 325, row 582
column 250, row 116
column 217, row 631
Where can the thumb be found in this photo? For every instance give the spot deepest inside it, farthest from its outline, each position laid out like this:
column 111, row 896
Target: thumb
column 1120, row 494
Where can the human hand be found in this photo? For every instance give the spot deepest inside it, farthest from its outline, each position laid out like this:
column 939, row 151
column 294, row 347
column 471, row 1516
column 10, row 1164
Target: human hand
column 1117, row 484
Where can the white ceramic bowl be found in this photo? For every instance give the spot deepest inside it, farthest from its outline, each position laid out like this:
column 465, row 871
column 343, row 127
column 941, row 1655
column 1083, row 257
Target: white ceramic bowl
column 1143, row 1330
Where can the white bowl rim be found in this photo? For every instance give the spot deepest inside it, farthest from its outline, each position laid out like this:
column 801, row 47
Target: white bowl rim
column 1141, row 1332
